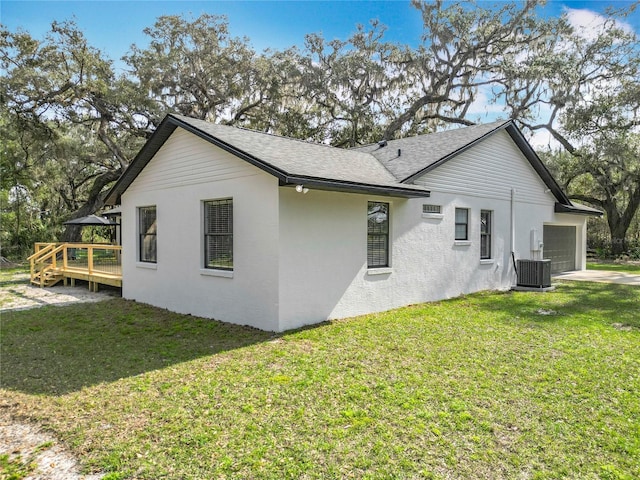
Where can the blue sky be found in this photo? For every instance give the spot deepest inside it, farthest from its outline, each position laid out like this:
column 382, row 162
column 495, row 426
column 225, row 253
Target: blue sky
column 112, row 26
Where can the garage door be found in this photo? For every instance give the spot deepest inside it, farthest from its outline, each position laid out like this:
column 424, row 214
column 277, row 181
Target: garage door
column 560, row 247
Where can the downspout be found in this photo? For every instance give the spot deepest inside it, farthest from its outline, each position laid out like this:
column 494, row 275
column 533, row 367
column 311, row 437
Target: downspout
column 513, row 230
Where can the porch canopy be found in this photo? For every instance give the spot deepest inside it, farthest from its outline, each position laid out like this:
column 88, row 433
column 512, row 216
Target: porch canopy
column 91, row 220
column 95, row 221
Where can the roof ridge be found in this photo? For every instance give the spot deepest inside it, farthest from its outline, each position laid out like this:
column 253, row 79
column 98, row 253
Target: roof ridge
column 251, row 130
column 418, row 135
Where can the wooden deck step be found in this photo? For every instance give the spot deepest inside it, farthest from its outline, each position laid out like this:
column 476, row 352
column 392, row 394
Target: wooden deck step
column 50, row 279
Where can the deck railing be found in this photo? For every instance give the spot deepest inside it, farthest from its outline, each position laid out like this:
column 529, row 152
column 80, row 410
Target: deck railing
column 43, row 264
column 97, row 263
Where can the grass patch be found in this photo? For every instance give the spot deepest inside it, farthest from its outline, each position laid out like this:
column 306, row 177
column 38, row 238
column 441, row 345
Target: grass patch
column 615, row 267
column 11, row 277
column 15, row 468
column 495, row 386
column 14, row 275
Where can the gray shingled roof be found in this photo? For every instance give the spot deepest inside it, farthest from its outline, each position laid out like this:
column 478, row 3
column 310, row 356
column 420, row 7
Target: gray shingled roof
column 422, row 151
column 371, row 169
column 299, row 158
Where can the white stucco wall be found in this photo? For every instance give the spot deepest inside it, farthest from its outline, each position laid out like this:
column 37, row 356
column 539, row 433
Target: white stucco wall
column 323, row 245
column 489, row 172
column 323, row 272
column 185, row 172
column 302, row 258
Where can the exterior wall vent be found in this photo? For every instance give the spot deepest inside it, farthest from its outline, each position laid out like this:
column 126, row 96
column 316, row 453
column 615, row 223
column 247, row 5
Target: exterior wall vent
column 534, row 273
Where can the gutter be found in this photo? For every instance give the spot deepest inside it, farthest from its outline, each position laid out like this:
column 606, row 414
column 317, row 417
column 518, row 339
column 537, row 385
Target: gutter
column 351, row 187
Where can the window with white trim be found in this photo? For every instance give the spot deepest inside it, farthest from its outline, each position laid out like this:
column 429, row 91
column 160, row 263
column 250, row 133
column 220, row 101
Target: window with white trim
column 147, row 234
column 462, row 224
column 377, row 234
column 218, row 234
column 485, row 234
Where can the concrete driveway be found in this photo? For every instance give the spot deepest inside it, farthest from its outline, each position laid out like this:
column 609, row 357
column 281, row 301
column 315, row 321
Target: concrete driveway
column 600, row 276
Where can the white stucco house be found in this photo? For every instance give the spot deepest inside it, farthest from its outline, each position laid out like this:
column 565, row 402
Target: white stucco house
column 276, row 233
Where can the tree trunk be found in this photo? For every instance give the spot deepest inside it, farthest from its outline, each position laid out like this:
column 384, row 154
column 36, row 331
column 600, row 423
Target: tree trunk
column 618, row 243
column 95, row 201
column 618, row 223
column 72, row 233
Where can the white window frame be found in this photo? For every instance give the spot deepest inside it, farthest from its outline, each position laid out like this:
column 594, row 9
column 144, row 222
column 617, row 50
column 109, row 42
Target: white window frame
column 486, row 234
column 466, row 225
column 228, row 236
column 432, row 211
column 387, row 235
column 143, row 234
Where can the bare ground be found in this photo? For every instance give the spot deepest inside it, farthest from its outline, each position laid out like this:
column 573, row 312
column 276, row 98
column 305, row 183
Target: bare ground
column 39, row 454
column 17, row 294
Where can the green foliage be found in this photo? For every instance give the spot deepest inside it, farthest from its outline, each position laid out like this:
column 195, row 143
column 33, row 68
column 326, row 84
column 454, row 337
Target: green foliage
column 487, row 386
column 193, row 66
column 605, row 174
column 70, row 124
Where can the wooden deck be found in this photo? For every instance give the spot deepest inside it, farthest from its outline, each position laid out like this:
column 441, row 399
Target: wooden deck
column 67, row 262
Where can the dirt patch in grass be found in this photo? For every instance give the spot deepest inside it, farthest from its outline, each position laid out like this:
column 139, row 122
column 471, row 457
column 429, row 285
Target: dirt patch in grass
column 26, row 451
column 24, row 297
column 16, row 293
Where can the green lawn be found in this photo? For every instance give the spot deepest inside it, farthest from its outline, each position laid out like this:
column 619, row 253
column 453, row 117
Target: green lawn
column 9, row 276
column 487, row 386
column 615, row 267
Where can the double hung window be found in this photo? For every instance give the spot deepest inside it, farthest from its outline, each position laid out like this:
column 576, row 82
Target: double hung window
column 377, row 234
column 218, row 234
column 462, row 224
column 485, row 234
column 148, row 232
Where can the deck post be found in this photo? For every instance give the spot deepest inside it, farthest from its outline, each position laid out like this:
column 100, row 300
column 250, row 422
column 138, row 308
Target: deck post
column 90, row 258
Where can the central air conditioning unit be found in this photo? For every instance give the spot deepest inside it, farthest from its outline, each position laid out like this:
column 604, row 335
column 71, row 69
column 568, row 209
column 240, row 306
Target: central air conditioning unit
column 534, row 273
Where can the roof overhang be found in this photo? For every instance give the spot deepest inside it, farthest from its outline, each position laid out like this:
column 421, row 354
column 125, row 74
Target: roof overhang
column 577, row 209
column 170, row 123
column 146, row 153
column 537, row 164
column 350, row 187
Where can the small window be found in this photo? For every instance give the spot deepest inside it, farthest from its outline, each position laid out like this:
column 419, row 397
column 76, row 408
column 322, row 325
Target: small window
column 485, row 234
column 218, row 234
column 147, row 229
column 377, row 234
column 462, row 224
column 431, row 208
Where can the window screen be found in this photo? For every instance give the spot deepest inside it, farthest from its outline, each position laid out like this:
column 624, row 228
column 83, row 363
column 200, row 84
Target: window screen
column 485, row 234
column 147, row 228
column 218, row 234
column 377, row 234
column 462, row 224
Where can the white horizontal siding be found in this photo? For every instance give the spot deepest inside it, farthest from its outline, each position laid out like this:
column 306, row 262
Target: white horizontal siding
column 490, row 170
column 186, row 159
